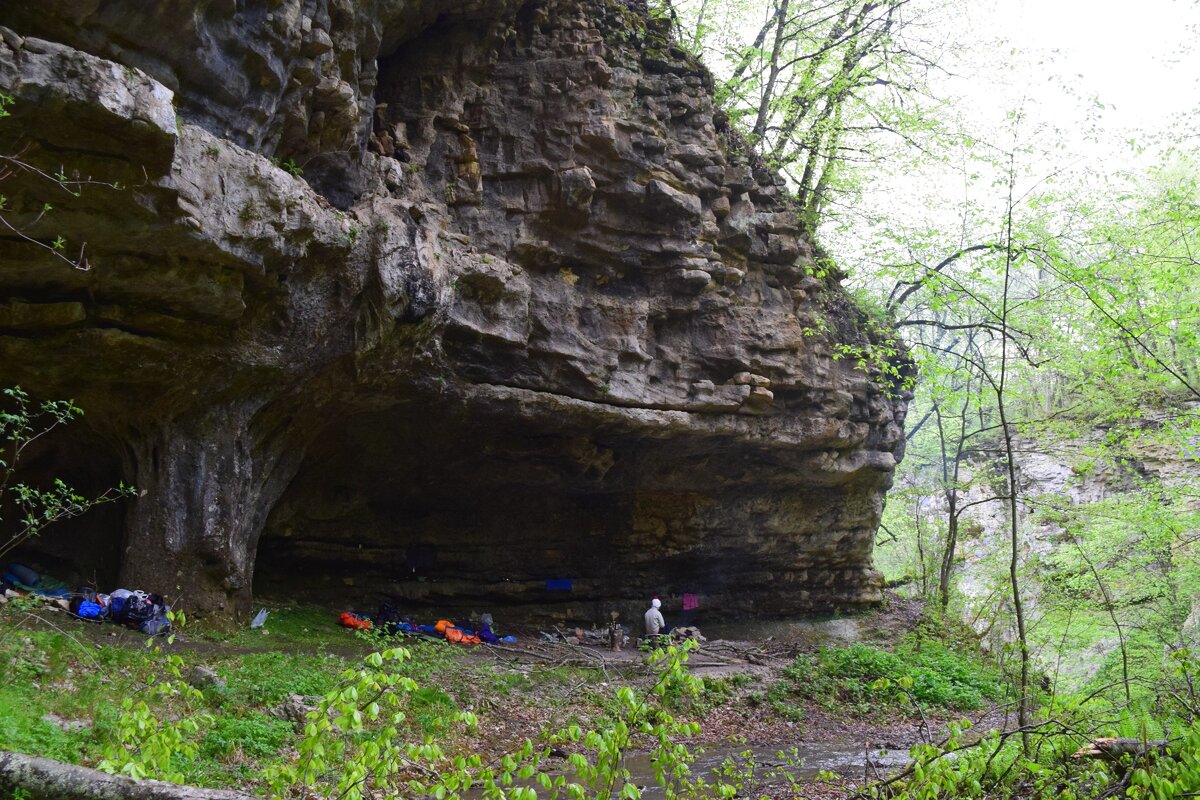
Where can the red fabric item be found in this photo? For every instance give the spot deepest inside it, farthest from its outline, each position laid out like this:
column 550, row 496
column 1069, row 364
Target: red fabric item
column 348, row 620
column 459, row 636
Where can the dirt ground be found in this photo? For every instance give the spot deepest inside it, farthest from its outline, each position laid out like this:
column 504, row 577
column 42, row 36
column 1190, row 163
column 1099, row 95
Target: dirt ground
column 761, row 651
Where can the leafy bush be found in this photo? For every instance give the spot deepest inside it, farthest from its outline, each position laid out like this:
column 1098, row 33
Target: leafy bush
column 866, row 677
column 31, row 508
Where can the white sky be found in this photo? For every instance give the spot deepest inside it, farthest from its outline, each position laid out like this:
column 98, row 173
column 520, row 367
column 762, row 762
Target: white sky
column 1055, row 60
column 1131, row 55
column 1138, row 60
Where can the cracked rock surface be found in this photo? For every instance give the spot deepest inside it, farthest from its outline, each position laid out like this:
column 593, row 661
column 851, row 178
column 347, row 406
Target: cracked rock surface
column 439, row 300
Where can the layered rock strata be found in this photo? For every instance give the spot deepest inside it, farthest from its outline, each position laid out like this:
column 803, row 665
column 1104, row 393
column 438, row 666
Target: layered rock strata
column 435, row 299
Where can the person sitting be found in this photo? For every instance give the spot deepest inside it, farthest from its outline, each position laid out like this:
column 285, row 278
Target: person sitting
column 655, row 624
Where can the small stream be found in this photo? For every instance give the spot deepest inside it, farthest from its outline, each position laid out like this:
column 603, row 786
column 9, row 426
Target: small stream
column 807, row 761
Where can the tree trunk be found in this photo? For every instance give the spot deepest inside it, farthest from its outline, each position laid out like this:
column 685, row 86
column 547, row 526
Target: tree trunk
column 43, row 779
column 1011, row 463
column 768, row 95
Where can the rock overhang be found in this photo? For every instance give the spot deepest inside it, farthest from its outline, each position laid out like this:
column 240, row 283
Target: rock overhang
column 543, row 227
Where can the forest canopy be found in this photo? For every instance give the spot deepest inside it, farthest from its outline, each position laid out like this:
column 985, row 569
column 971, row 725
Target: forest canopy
column 1035, row 247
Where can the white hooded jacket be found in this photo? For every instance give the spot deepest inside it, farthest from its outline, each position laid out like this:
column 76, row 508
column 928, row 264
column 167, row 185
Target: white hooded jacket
column 654, row 618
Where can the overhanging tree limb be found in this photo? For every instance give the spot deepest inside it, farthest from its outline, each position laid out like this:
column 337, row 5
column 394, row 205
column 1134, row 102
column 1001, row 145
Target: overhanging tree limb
column 894, row 301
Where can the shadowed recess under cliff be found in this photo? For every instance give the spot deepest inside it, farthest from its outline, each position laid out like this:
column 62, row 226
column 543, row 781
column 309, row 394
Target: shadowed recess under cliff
column 443, row 505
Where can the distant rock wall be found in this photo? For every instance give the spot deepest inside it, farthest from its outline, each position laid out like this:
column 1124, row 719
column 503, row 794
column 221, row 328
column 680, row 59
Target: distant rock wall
column 439, row 300
column 1070, row 473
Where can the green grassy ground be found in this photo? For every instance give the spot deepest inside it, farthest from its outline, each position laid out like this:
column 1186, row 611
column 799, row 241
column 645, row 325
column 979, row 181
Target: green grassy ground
column 65, row 680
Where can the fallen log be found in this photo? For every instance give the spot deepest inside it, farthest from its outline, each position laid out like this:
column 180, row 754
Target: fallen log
column 1112, row 747
column 43, row 779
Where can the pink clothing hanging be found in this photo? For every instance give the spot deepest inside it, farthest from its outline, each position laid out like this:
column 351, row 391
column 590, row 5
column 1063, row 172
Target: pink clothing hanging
column 691, row 602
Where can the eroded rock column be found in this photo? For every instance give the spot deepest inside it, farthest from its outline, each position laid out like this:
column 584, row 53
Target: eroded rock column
column 206, row 484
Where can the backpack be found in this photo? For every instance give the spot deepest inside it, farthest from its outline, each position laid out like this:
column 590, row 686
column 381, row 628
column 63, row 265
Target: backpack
column 137, row 609
column 158, row 623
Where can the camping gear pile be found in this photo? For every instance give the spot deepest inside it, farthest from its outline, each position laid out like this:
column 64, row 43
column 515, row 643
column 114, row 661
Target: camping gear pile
column 21, row 578
column 389, row 621
column 134, row 609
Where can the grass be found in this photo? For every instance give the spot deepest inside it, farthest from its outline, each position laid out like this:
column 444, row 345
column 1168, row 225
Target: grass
column 267, row 679
column 254, row 735
column 23, row 729
column 938, row 667
column 287, row 626
column 863, row 676
column 81, row 675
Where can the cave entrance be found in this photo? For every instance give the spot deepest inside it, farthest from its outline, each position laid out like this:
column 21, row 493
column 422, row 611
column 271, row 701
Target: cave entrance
column 534, row 506
column 443, row 508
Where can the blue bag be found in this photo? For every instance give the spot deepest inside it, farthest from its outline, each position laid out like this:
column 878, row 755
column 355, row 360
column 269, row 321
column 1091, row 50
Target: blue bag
column 24, row 574
column 89, row 610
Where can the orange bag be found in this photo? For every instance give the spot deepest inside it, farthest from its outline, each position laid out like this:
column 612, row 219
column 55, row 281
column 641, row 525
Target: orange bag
column 348, row 620
column 459, row 636
column 442, row 625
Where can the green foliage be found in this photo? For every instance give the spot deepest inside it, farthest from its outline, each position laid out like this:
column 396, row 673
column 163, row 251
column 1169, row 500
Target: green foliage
column 52, row 722
column 27, row 508
column 143, row 744
column 24, row 729
column 995, row 765
column 266, row 679
column 308, row 629
column 255, row 735
column 870, row 680
column 714, row 692
column 353, row 742
column 822, row 91
column 290, row 166
column 30, row 209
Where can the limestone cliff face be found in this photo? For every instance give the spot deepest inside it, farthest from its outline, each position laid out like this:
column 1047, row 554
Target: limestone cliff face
column 527, row 313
